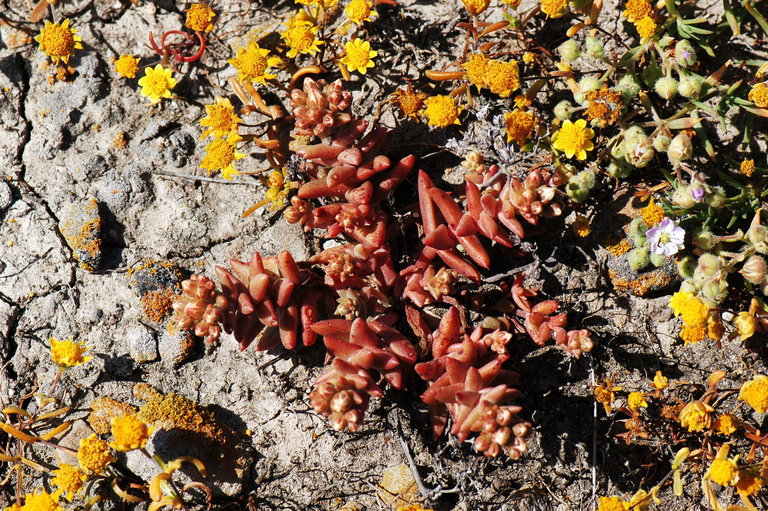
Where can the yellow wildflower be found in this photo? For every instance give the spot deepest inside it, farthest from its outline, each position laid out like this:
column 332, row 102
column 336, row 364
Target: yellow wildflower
column 94, row 455
column 660, row 381
column 748, row 484
column 476, row 7
column 200, row 17
column 581, row 226
column 221, row 119
column 528, row 57
column 693, row 311
column 323, row 4
column 723, row 471
column 412, row 507
column 652, row 213
column 130, row 433
column 636, row 10
column 747, row 167
column 646, row 27
column 221, row 156
column 726, row 424
column 157, row 83
column 503, row 78
column 66, row 354
column 441, row 111
column 59, row 41
column 42, row 501
column 574, row 139
column 554, row 8
column 759, row 95
column 301, row 37
column 13, row 507
column 522, row 101
column 604, row 393
column 278, row 190
column 696, row 416
column 127, row 66
column 476, row 68
column 252, row 64
column 519, row 125
column 692, row 334
column 611, row 504
column 636, row 400
column 755, row 393
column 359, row 10
column 746, row 324
column 69, row 479
column 409, row 100
column 639, row 501
column 604, row 106
column 359, row 56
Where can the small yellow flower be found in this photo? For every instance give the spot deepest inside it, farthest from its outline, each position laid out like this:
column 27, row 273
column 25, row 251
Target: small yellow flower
column 581, row 226
column 441, row 111
column 519, row 125
column 726, row 424
column 759, row 95
column 69, row 479
column 221, row 119
column 692, row 334
column 574, row 139
column 200, row 17
column 660, row 381
column 503, row 78
column 359, row 56
column 42, row 501
column 746, row 324
column 409, row 101
column 279, row 188
column 476, row 68
column 636, row 400
column 221, row 156
column 301, row 37
column 59, row 41
column 529, row 57
column 94, row 455
column 604, row 393
column 696, row 416
column 66, row 354
column 652, row 213
column 747, row 167
column 646, row 27
column 554, row 8
column 693, row 311
column 635, row 10
column 127, row 66
column 723, row 471
column 755, row 393
column 323, row 4
column 129, row 433
column 748, row 484
column 359, row 10
column 611, row 504
column 252, row 64
column 157, row 83
column 476, row 7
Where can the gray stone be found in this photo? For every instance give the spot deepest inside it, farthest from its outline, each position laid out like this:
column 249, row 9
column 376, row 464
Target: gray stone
column 142, row 343
column 6, row 196
column 175, row 346
column 80, row 223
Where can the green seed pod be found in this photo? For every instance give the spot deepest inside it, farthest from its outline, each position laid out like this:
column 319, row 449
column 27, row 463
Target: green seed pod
column 680, row 149
column 715, row 291
column 704, row 240
column 620, row 168
column 689, row 286
column 661, row 142
column 569, row 50
column 639, row 258
column 690, row 86
column 708, row 265
column 686, row 267
column 685, row 54
column 595, row 48
column 617, row 151
column 666, row 87
column 637, row 229
column 658, row 260
column 563, row 110
column 715, row 199
column 628, row 86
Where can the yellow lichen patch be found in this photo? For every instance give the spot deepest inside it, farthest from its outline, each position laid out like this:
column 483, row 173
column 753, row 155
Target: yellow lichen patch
column 177, row 412
column 103, row 410
column 652, row 213
column 398, row 487
column 641, row 285
column 85, row 239
column 617, row 247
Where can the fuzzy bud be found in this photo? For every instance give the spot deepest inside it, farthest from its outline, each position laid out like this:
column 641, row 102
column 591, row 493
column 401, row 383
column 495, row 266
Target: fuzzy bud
column 708, row 265
column 714, row 291
column 595, row 48
column 666, row 87
column 690, row 86
column 758, row 236
column 754, row 270
column 661, row 142
column 569, row 50
column 637, row 230
column 716, row 199
column 685, row 54
column 639, row 258
column 704, row 240
column 640, row 152
column 680, row 149
column 586, row 84
column 620, row 167
column 628, row 86
column 683, row 198
column 686, row 266
column 658, row 260
column 563, row 110
column 579, row 185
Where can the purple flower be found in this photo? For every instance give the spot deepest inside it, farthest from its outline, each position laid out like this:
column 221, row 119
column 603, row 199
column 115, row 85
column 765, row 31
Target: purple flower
column 666, row 239
column 697, row 192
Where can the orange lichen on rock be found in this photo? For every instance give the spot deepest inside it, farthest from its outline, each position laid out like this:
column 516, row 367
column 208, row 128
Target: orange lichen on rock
column 103, row 410
column 641, row 285
column 157, row 305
